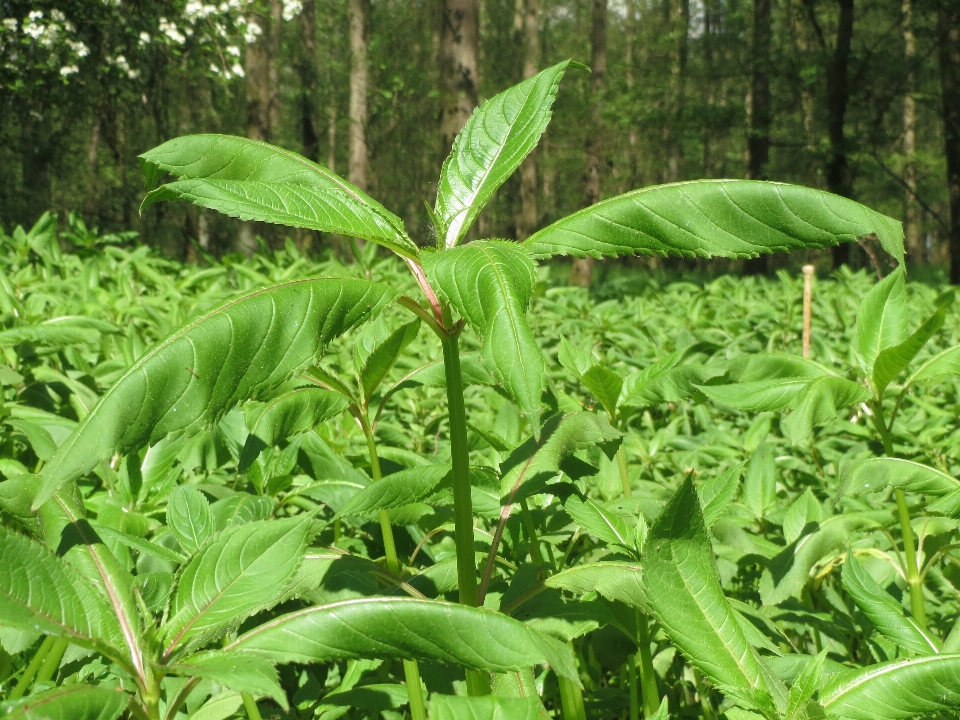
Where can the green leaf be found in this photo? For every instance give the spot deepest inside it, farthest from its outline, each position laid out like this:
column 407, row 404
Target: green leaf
column 448, row 707
column 244, row 570
column 882, row 318
column 884, row 612
column 242, row 349
column 396, row 490
column 894, row 360
column 765, row 381
column 375, row 696
column 942, row 365
column 788, row 571
column 760, row 483
column 281, row 417
column 717, row 493
column 536, row 461
column 875, row 474
column 70, row 702
column 577, row 360
column 243, row 673
column 489, row 283
column 492, row 144
column 616, row 581
column 252, row 180
column 895, row 690
column 188, row 517
column 667, row 385
column 598, row 521
column 139, row 544
column 683, row 589
column 40, row 592
column 384, row 356
column 605, row 386
column 406, row 628
column 822, row 400
column 805, row 509
column 715, row 218
column 806, row 684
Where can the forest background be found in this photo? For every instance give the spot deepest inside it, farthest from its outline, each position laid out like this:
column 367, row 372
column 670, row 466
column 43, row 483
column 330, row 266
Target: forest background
column 859, row 97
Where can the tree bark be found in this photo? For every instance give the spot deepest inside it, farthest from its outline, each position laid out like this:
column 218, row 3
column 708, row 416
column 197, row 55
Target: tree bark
column 948, row 36
column 911, row 216
column 680, row 29
column 357, row 170
column 309, row 81
column 527, row 219
column 758, row 120
column 459, row 46
column 630, row 28
column 837, row 170
column 582, row 271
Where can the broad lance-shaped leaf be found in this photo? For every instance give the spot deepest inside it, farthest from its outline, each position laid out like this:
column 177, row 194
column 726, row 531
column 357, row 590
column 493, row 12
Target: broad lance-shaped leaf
column 281, row 417
column 617, row 581
column 821, row 401
column 384, row 356
column 489, row 282
column 894, row 360
column 242, row 673
column 396, row 490
column 715, row 218
column 493, row 143
column 245, row 569
column 885, row 613
column 941, row 366
column 605, row 386
column 895, row 690
column 243, row 349
column 70, row 702
column 683, row 589
column 252, row 180
column 875, row 474
column 406, row 628
column 40, row 592
column 188, row 517
column 765, row 381
column 536, row 461
column 448, row 707
column 882, row 318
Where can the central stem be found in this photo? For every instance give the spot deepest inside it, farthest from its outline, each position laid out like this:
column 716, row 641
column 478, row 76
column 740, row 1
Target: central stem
column 478, row 683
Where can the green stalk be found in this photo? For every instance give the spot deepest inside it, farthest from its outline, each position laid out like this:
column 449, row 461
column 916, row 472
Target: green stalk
column 24, row 682
column 634, row 694
column 250, row 705
column 411, row 670
column 648, row 676
column 624, row 475
column 52, row 661
column 914, row 581
column 462, row 501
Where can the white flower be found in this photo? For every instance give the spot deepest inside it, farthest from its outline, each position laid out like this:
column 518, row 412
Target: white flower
column 214, row 69
column 33, row 30
column 291, row 8
column 10, row 24
column 233, row 50
column 144, row 38
column 69, row 70
column 35, row 15
column 251, row 33
column 171, row 30
column 57, row 16
column 237, row 70
column 79, row 48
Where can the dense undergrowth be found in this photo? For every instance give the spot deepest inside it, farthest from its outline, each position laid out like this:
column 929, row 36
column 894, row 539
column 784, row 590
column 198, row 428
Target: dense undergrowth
column 661, row 365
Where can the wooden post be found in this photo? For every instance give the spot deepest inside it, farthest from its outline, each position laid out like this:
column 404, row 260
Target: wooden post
column 808, row 271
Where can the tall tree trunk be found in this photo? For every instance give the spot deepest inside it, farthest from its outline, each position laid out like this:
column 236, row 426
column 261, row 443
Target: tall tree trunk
column 309, row 81
column 582, row 271
column 527, row 219
column 758, row 120
column 357, row 170
column 459, row 46
column 708, row 24
column 630, row 30
column 261, row 100
column 948, row 35
column 837, row 170
column 911, row 219
column 36, row 157
column 680, row 29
